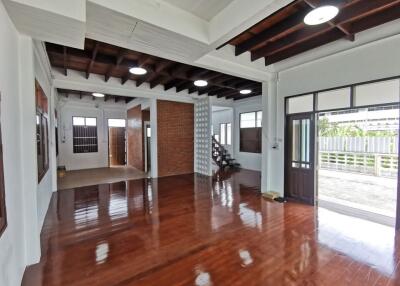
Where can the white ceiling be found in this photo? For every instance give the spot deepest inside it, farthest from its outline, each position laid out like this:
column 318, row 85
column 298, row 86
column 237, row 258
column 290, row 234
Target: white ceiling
column 205, row 9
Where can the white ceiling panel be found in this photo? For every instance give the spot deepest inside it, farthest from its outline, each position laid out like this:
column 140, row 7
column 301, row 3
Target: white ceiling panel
column 205, row 9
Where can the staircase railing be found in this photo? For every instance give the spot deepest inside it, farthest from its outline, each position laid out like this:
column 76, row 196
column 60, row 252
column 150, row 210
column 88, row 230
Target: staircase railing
column 221, row 156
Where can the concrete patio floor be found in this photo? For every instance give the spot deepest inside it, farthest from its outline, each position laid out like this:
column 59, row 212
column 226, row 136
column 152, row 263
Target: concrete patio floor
column 371, row 193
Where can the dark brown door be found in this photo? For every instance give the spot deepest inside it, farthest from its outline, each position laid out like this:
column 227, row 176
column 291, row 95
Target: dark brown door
column 116, row 139
column 299, row 159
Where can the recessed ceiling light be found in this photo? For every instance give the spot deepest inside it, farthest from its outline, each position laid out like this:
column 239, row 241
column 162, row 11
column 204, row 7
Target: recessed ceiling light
column 97, row 94
column 200, row 83
column 137, row 70
column 245, row 91
column 321, row 15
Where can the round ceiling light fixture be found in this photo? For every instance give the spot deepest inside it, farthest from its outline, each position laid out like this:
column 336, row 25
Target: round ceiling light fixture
column 245, row 91
column 200, row 82
column 138, row 70
column 321, row 15
column 97, row 94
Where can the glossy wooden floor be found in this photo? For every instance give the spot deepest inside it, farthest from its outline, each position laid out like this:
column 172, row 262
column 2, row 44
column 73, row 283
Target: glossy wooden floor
column 194, row 230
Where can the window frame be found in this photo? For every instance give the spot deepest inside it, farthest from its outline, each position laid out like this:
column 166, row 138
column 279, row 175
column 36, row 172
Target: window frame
column 256, row 129
column 85, row 125
column 256, row 112
column 42, row 133
column 225, row 137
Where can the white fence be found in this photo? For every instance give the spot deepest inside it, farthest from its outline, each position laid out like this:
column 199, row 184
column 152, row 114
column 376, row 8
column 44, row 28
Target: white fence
column 367, row 155
column 375, row 145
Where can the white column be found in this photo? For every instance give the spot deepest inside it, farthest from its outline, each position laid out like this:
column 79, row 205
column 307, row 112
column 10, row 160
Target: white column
column 202, row 143
column 270, row 144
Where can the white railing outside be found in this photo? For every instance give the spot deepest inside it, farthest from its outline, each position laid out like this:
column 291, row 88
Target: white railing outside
column 382, row 165
column 375, row 145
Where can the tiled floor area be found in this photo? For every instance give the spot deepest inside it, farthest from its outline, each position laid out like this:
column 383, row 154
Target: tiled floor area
column 89, row 177
column 198, row 230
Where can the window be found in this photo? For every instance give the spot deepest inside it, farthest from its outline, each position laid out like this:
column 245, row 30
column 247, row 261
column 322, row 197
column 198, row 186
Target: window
column 250, row 132
column 225, row 132
column 3, row 214
column 116, row 122
column 84, row 134
column 42, row 132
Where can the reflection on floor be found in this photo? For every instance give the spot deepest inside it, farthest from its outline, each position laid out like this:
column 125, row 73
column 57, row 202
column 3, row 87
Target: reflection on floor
column 89, row 177
column 198, row 230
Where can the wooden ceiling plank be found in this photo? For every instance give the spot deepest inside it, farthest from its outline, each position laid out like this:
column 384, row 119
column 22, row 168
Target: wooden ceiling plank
column 305, row 46
column 376, row 20
column 293, row 22
column 121, row 54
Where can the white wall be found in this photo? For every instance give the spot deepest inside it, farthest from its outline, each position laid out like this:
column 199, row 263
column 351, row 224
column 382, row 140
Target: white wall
column 67, row 108
column 12, row 261
column 251, row 161
column 223, row 116
column 372, row 61
column 26, row 200
column 45, row 187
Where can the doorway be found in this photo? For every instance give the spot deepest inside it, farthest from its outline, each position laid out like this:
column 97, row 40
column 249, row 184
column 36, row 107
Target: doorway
column 116, row 142
column 299, row 163
column 342, row 149
column 147, row 146
column 358, row 161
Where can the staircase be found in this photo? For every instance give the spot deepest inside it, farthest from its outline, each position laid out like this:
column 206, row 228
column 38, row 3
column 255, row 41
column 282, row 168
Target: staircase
column 221, row 156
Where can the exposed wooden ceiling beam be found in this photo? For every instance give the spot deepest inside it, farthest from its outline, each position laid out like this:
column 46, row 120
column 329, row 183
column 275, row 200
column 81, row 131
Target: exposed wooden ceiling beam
column 326, row 38
column 183, row 86
column 178, row 71
column 292, row 23
column 65, row 60
column 381, row 18
column 90, row 65
column 158, row 80
column 350, row 13
column 121, row 54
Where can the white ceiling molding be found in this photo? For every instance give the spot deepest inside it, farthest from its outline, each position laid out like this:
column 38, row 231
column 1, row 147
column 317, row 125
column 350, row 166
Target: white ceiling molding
column 225, row 61
column 240, row 15
column 161, row 14
column 56, row 21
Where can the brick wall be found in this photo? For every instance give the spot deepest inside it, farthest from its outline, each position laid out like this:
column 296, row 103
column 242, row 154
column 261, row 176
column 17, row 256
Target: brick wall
column 175, row 124
column 134, row 138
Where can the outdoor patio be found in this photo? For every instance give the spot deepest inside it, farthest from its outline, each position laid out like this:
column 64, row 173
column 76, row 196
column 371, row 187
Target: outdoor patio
column 366, row 192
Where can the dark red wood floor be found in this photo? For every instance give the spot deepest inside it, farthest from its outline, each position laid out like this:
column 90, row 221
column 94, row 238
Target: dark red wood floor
column 194, row 230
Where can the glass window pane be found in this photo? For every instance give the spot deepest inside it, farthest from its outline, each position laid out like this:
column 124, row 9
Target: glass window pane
column 248, row 120
column 296, row 140
column 299, row 104
column 116, row 122
column 305, row 140
column 377, row 92
column 228, row 134
column 90, row 121
column 148, row 132
column 78, row 121
column 223, row 134
column 259, row 119
column 333, row 99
